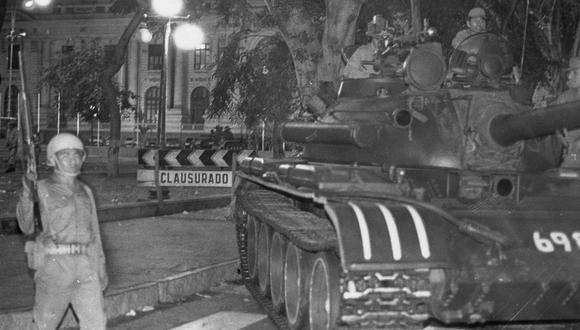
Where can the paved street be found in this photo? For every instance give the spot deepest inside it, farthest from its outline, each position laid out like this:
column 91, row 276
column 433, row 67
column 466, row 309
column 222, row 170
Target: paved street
column 149, row 260
column 225, row 307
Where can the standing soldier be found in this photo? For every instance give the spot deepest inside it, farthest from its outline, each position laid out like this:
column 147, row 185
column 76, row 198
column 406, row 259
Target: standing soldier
column 67, row 254
column 12, row 144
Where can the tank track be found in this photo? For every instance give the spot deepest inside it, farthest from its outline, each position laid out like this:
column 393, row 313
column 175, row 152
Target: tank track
column 251, row 285
column 302, row 228
column 403, row 293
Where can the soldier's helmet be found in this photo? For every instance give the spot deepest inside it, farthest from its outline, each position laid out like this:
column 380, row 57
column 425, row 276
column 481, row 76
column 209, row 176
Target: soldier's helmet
column 60, row 142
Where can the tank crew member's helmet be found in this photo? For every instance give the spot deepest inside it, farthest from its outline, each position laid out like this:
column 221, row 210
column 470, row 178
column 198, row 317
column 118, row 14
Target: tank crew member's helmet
column 60, row 142
column 376, row 26
column 476, row 12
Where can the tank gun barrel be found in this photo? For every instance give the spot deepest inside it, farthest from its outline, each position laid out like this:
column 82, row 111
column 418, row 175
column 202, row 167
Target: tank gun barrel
column 506, row 129
column 329, row 133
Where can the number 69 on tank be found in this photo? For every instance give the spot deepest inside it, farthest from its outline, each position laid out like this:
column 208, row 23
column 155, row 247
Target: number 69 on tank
column 550, row 242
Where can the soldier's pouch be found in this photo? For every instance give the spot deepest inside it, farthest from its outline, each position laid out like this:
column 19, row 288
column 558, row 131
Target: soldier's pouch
column 35, row 255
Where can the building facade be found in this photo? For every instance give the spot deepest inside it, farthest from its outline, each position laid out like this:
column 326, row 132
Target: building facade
column 71, row 24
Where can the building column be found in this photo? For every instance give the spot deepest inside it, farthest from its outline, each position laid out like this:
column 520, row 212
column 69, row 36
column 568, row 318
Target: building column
column 133, row 66
column 180, row 84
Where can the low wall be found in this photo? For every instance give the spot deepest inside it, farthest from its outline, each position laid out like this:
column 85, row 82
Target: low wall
column 101, row 152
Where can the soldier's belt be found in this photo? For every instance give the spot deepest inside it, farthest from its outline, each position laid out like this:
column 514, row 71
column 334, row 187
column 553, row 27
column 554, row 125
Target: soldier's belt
column 68, row 249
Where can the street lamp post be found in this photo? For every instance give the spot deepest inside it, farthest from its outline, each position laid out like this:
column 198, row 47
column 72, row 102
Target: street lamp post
column 164, row 90
column 168, row 11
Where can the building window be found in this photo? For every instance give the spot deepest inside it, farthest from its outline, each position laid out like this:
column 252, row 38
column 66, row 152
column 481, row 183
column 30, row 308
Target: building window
column 222, row 44
column 199, row 104
column 152, row 103
column 201, row 57
column 155, row 57
column 14, row 64
column 67, row 49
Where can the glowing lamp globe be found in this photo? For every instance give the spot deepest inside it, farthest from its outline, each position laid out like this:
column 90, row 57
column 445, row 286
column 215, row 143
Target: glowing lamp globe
column 42, row 3
column 188, row 36
column 145, row 35
column 167, row 8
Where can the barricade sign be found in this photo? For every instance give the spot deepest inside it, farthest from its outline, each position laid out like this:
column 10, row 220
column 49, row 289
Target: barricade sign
column 186, row 178
column 221, row 158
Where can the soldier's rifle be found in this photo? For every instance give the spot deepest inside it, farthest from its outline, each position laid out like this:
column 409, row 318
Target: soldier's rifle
column 27, row 135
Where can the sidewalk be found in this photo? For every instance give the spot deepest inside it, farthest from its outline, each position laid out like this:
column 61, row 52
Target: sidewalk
column 149, row 261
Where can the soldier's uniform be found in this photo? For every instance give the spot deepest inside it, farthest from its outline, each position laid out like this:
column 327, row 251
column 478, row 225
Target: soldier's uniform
column 67, row 255
column 12, row 144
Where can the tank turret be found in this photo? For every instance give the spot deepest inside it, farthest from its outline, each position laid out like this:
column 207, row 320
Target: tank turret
column 411, row 119
column 431, row 132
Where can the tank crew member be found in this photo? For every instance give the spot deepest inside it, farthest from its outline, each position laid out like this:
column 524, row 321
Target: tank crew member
column 360, row 64
column 475, row 24
column 67, row 255
column 571, row 157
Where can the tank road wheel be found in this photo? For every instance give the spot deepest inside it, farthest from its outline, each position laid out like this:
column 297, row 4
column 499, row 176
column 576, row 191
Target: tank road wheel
column 277, row 254
column 324, row 295
column 296, row 279
column 263, row 261
column 252, row 241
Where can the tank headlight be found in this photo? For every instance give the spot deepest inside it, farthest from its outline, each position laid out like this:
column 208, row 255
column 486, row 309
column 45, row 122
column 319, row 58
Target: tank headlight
column 402, row 118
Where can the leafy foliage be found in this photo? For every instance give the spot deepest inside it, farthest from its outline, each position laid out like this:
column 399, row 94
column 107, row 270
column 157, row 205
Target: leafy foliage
column 255, row 85
column 75, row 76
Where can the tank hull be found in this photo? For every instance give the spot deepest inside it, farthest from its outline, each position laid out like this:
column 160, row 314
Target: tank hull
column 468, row 248
column 415, row 204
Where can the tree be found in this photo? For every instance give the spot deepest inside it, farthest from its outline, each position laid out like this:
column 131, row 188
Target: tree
column 75, row 77
column 84, row 79
column 258, row 85
column 314, row 56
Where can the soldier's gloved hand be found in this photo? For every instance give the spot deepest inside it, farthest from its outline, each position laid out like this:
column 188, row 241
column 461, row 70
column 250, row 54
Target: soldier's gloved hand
column 46, row 241
column 103, row 277
column 26, row 187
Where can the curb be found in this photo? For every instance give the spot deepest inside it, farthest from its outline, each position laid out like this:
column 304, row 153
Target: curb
column 118, row 302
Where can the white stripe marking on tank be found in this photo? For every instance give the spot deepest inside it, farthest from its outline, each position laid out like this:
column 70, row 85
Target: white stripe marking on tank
column 364, row 230
column 393, row 232
column 421, row 232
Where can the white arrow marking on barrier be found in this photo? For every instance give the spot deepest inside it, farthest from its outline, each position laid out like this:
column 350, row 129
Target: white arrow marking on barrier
column 149, row 157
column 193, row 158
column 218, row 158
column 171, row 157
column 243, row 155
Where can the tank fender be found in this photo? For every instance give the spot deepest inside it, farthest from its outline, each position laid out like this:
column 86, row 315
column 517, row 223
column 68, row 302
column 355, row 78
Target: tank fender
column 374, row 236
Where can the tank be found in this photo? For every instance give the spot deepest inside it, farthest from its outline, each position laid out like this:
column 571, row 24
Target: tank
column 426, row 196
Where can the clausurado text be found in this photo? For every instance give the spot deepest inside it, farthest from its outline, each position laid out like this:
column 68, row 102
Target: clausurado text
column 196, row 178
